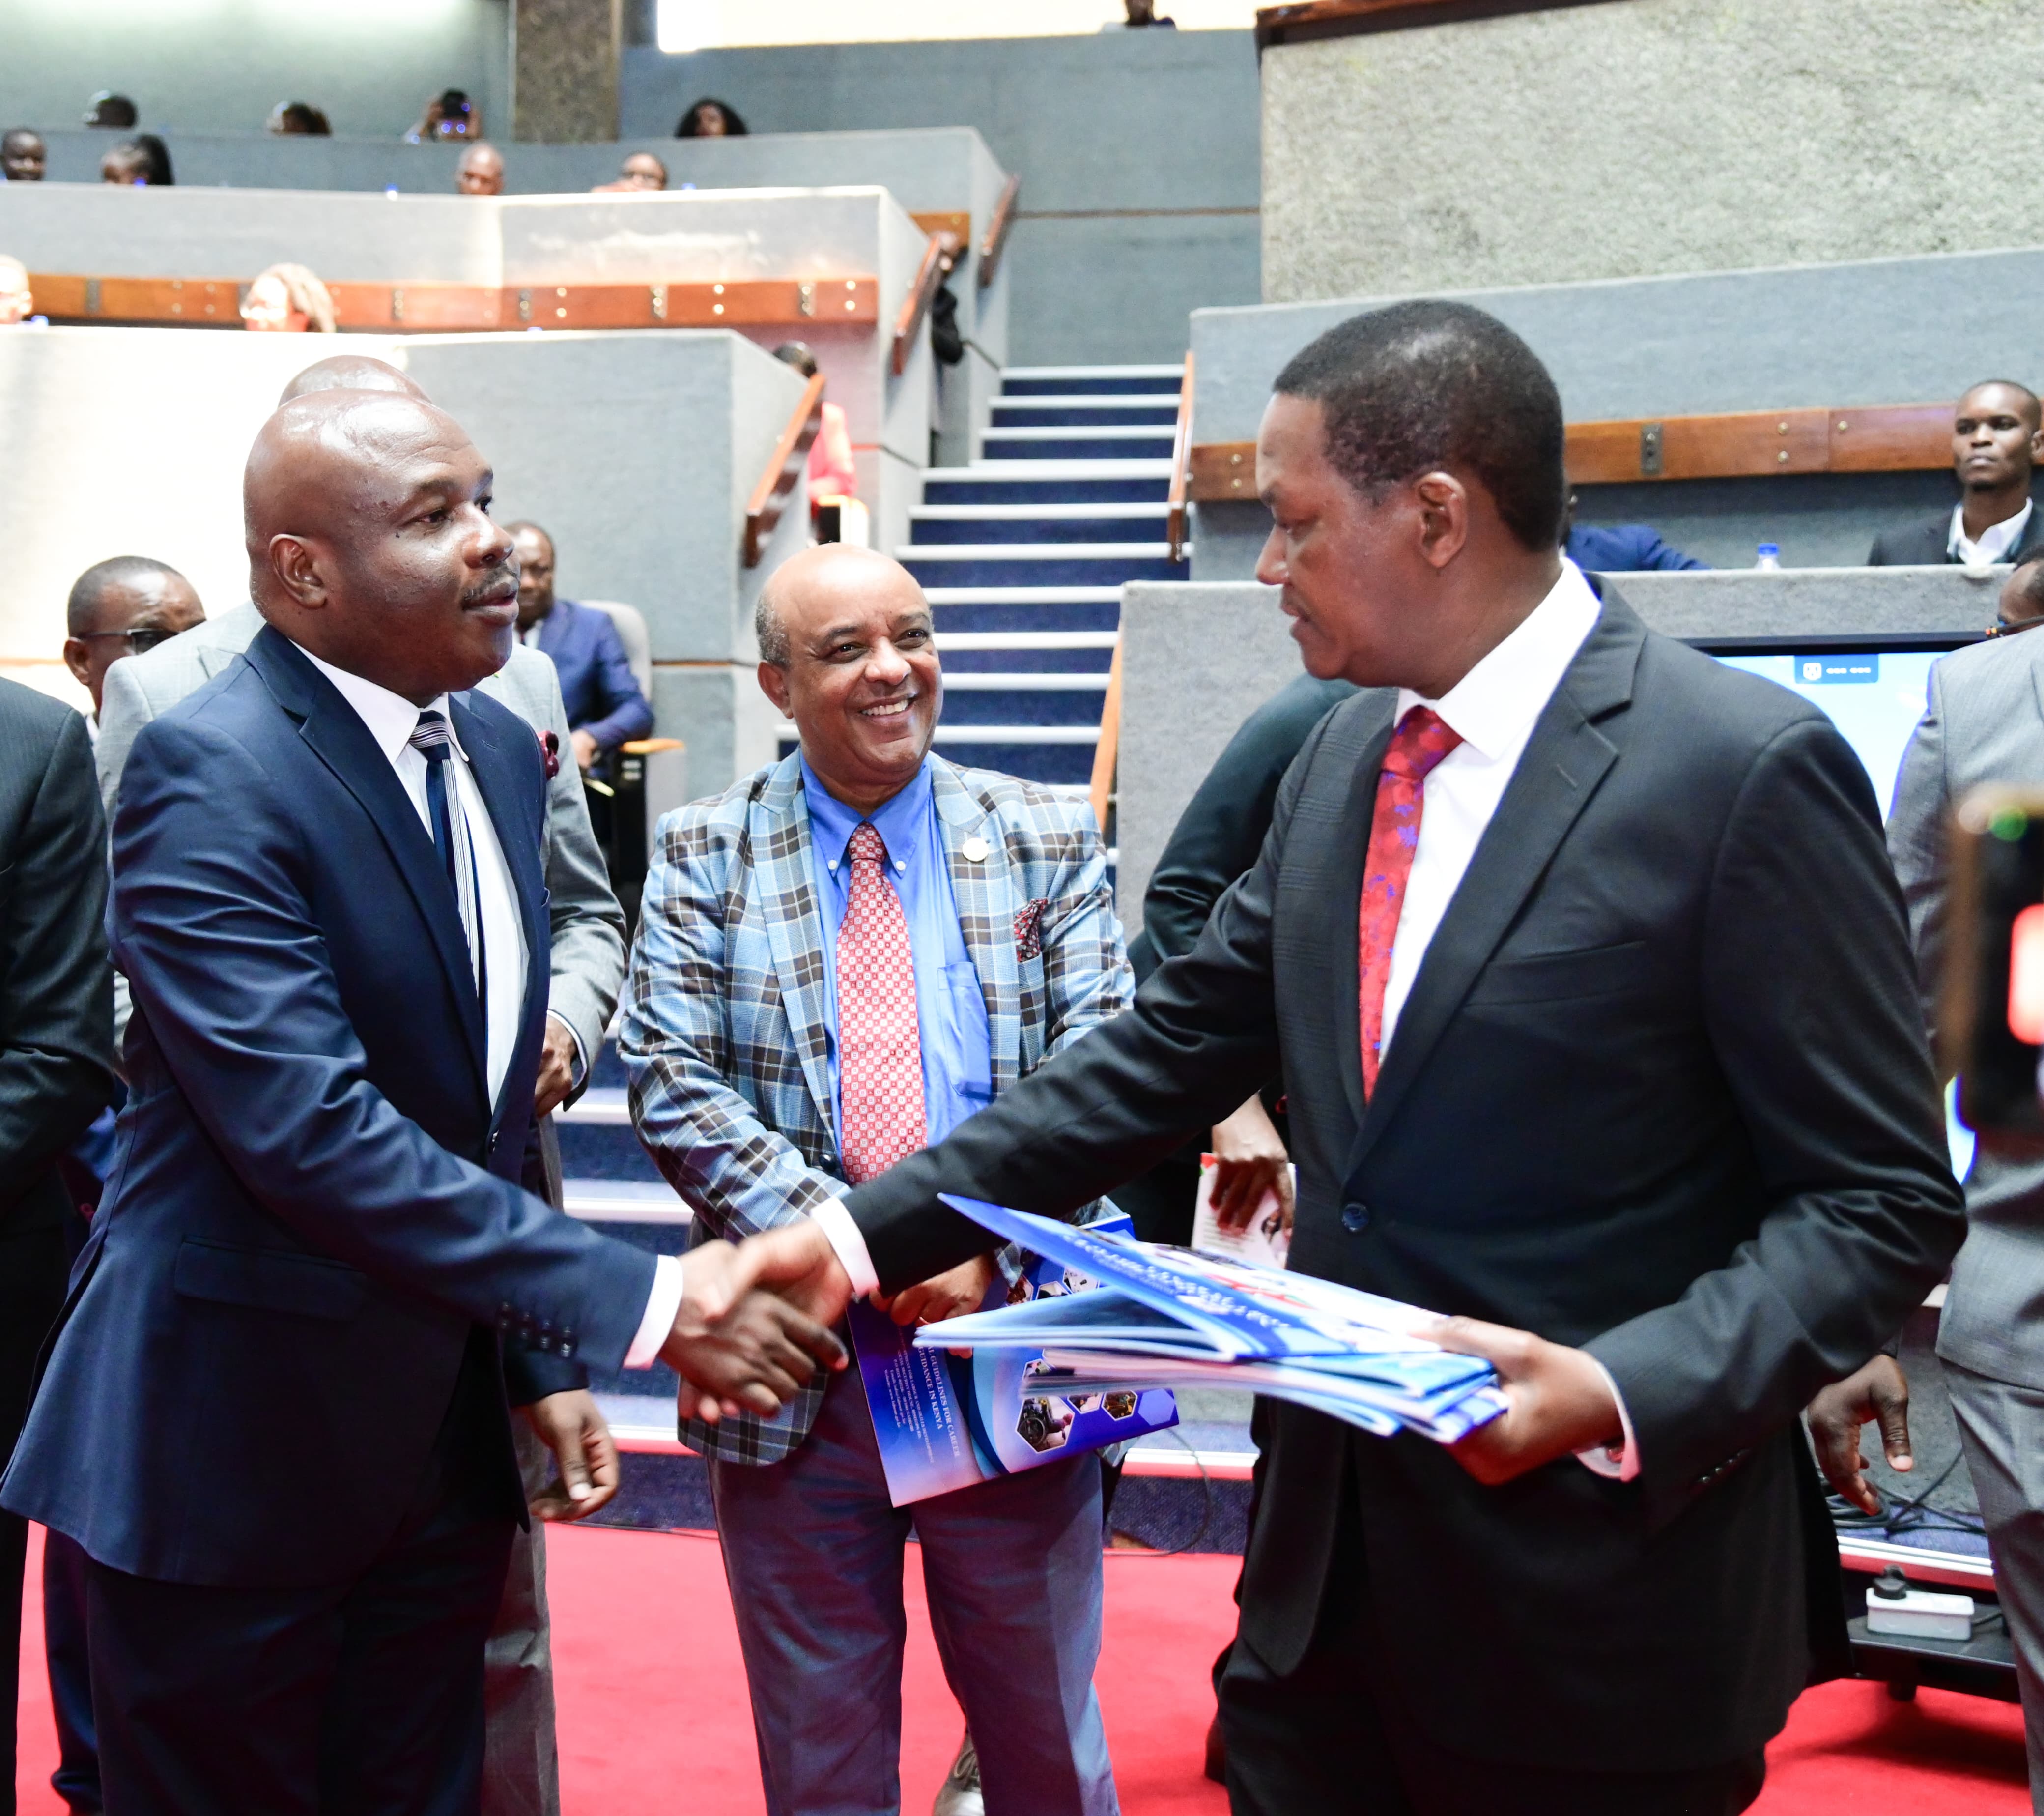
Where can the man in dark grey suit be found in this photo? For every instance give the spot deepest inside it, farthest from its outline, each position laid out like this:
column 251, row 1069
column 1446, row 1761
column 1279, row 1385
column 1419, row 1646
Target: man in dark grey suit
column 1651, row 1113
column 1997, row 443
column 56, row 1021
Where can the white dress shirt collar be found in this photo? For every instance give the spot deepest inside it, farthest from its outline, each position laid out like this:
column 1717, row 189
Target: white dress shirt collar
column 391, row 718
column 1494, row 706
column 1995, row 541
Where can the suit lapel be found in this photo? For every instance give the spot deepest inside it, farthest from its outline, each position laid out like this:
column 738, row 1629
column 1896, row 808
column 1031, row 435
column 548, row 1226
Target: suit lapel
column 1564, row 761
column 514, row 810
column 779, row 828
column 984, row 889
column 335, row 732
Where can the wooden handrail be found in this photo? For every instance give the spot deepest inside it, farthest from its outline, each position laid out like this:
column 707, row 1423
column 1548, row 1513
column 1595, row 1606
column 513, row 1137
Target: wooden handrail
column 1108, row 750
column 436, row 308
column 957, row 221
column 784, row 467
column 1308, row 20
column 997, row 230
column 939, row 258
column 1181, row 450
column 1873, row 438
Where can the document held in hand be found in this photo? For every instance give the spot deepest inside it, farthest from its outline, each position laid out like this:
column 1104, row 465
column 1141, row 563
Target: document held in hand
column 1263, row 1240
column 1165, row 1317
column 945, row 1421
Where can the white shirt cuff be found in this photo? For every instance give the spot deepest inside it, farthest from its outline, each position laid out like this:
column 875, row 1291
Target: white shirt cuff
column 851, row 1246
column 581, row 1067
column 1619, row 1463
column 662, row 1303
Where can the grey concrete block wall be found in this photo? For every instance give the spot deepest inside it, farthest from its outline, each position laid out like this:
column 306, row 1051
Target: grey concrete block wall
column 1902, row 330
column 638, row 452
column 1138, row 153
column 1612, row 140
column 371, row 67
column 1197, row 660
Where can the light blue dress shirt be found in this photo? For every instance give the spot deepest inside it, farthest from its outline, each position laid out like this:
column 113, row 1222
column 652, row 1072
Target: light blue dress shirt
column 951, row 1009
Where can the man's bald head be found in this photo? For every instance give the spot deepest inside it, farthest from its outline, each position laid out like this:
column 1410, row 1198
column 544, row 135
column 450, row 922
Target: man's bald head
column 351, row 372
column 369, row 542
column 481, row 171
column 848, row 650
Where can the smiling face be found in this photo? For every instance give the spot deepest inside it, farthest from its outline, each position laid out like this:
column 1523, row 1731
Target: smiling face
column 1994, row 438
column 371, row 543
column 862, row 680
column 24, row 156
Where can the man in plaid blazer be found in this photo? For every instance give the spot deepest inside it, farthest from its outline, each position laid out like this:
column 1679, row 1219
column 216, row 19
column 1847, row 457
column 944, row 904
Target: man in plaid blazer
column 746, row 1040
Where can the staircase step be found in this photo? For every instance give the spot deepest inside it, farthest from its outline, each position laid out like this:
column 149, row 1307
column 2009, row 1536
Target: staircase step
column 975, row 642
column 624, row 1201
column 988, row 614
column 1038, row 381
column 1082, row 444
column 1097, row 411
column 1011, row 655
column 1021, row 680
column 987, row 523
column 1037, row 564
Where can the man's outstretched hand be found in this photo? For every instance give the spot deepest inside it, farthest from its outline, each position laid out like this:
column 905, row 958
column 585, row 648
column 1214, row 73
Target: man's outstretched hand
column 1876, row 1394
column 1557, row 1401
column 745, row 1339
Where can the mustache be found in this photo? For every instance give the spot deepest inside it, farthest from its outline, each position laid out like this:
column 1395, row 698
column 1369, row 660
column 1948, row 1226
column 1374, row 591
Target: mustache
column 500, row 586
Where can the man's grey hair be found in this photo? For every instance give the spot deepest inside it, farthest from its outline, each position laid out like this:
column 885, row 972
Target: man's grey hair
column 767, row 626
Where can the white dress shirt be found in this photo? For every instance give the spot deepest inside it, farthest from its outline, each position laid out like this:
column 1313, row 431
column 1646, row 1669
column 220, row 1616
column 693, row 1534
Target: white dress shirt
column 1995, row 541
column 1494, row 708
column 391, row 719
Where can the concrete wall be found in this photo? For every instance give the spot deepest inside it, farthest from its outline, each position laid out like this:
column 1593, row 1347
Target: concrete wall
column 636, row 451
column 1137, row 152
column 1906, row 330
column 371, row 64
column 1197, row 660
column 1613, row 140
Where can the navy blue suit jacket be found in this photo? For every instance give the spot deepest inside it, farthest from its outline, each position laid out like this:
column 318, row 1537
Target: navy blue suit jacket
column 597, row 687
column 1627, row 549
column 314, row 1201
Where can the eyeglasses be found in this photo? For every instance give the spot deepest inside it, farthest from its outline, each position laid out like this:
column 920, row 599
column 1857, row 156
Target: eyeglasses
column 144, row 636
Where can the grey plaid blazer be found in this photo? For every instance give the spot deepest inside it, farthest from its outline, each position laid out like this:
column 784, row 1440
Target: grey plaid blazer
column 724, row 1032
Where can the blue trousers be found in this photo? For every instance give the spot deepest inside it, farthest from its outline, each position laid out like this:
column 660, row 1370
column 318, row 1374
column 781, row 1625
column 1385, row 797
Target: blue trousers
column 813, row 1551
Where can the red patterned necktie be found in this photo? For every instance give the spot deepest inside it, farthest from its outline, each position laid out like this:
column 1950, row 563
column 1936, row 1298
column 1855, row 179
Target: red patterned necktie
column 879, row 1043
column 1420, row 742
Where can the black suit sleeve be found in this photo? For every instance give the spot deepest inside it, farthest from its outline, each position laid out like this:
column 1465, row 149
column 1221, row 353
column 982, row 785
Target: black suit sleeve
column 1809, row 998
column 56, row 988
column 1200, row 1037
column 1222, row 829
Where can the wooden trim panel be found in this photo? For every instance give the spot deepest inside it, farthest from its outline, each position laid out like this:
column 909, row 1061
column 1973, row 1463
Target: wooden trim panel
column 1873, row 438
column 444, row 308
column 1309, row 20
column 957, row 222
column 784, row 467
column 997, row 230
column 1182, row 443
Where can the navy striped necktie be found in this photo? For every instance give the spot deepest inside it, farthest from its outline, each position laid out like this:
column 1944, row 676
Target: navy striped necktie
column 433, row 739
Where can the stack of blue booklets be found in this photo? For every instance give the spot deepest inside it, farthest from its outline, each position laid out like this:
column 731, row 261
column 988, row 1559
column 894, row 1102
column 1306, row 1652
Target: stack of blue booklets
column 1161, row 1317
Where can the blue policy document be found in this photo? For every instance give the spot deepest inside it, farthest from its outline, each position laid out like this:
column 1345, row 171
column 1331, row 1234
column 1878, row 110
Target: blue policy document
column 945, row 1421
column 1162, row 1317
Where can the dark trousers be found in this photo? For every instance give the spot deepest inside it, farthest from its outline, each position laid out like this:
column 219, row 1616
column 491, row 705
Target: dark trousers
column 362, row 1698
column 76, row 1780
column 1336, row 1736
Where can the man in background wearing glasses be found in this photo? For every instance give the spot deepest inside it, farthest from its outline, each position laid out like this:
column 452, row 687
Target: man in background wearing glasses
column 122, row 607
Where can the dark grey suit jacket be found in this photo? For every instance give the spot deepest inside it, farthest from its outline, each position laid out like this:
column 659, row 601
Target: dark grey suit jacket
column 1929, row 544
column 56, row 989
column 1661, row 1090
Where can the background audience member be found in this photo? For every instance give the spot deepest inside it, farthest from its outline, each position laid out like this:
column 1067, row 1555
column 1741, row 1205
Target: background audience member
column 1623, row 548
column 605, row 708
column 56, row 1028
column 640, row 171
column 24, row 157
column 1996, row 441
column 449, row 115
column 121, row 607
column 710, row 119
column 2021, row 604
column 116, row 111
column 481, row 171
column 833, row 474
column 144, row 160
column 288, row 299
column 17, row 301
column 1142, row 15
column 298, row 118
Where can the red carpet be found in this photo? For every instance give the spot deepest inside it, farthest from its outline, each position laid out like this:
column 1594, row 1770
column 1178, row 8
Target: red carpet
column 653, row 1714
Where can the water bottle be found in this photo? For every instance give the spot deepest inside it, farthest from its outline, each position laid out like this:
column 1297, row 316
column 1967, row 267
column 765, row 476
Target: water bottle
column 1770, row 557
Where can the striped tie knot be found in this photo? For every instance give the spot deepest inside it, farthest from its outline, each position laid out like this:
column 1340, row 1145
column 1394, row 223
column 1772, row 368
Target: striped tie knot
column 431, row 737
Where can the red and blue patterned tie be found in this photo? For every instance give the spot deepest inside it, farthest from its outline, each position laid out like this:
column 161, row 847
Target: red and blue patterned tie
column 1422, row 738
column 879, row 1041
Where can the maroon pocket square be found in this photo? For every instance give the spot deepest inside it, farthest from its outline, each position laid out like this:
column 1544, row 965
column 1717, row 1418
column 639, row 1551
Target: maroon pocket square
column 1029, row 930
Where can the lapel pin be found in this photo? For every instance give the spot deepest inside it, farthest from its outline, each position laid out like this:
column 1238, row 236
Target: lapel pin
column 973, row 850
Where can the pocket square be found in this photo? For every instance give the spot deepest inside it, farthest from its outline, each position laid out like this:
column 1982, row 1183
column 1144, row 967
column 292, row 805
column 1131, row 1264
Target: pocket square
column 1029, row 930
